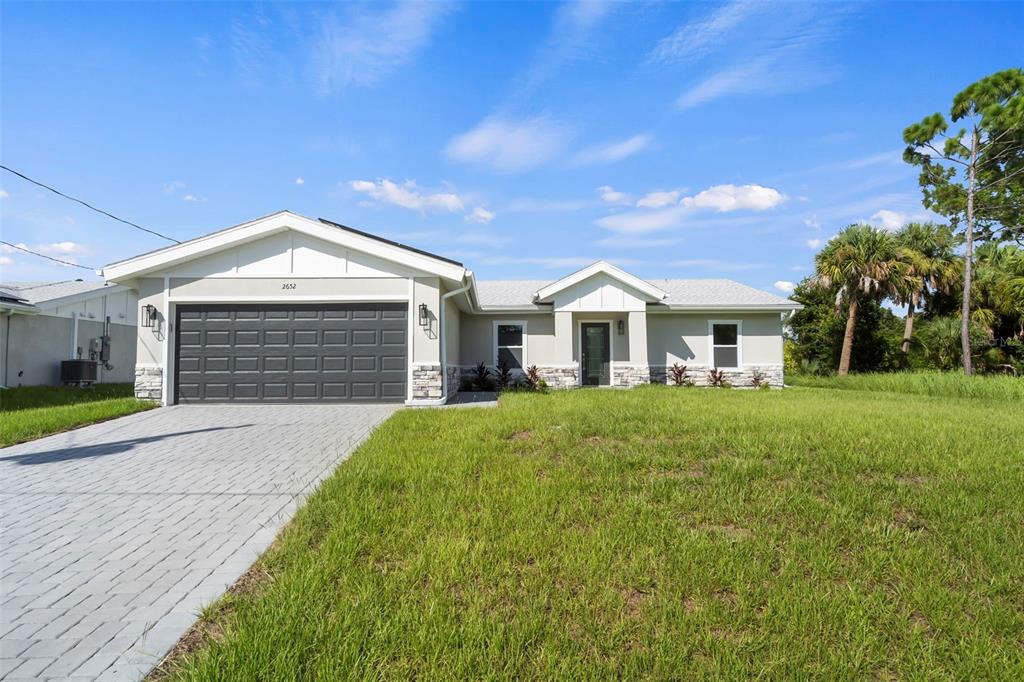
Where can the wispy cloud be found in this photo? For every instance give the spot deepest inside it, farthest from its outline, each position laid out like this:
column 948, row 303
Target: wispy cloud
column 813, row 243
column 612, row 152
column 716, row 264
column 659, row 199
column 300, row 181
column 776, row 53
column 571, row 38
column 637, row 242
column 509, row 146
column 361, row 44
column 528, row 205
column 701, row 36
column 553, row 262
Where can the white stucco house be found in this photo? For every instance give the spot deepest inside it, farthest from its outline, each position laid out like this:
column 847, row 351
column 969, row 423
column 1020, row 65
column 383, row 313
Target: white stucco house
column 287, row 308
column 43, row 323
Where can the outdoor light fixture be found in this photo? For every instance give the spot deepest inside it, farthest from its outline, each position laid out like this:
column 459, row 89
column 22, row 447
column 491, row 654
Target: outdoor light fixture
column 424, row 316
column 148, row 315
column 622, row 327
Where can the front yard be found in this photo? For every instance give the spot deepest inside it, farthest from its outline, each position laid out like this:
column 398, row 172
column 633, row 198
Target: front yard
column 657, row 532
column 30, row 412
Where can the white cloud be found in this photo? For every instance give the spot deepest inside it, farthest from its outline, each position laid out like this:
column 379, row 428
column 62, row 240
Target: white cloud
column 659, row 199
column 719, row 198
column 611, row 196
column 813, row 243
column 480, row 215
column 4, row 260
column 407, row 195
column 4, row 194
column 8, row 249
column 890, row 220
column 61, row 248
column 783, row 285
column 173, row 186
column 725, row 198
column 797, row 268
column 812, row 223
column 300, row 181
column 509, row 146
column 368, row 44
column 193, row 198
column 616, row 151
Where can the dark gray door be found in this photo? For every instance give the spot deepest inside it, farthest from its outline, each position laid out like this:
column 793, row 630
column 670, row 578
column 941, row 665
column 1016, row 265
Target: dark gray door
column 596, row 353
column 279, row 352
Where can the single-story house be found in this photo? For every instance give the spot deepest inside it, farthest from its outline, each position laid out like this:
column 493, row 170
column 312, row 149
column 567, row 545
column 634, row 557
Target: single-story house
column 287, row 308
column 43, row 323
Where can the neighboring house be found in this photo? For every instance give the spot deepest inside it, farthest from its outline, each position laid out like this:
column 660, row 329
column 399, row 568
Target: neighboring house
column 42, row 323
column 290, row 308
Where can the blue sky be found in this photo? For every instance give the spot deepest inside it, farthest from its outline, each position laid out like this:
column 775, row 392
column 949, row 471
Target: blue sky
column 676, row 140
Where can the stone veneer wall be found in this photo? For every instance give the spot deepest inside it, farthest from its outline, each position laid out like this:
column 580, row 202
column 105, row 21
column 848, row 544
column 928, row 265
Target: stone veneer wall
column 454, row 374
column 149, row 382
column 739, row 378
column 630, row 375
column 555, row 377
column 426, row 382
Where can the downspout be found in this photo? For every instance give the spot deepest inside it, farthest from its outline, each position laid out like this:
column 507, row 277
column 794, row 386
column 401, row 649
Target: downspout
column 73, row 352
column 441, row 335
column 7, row 347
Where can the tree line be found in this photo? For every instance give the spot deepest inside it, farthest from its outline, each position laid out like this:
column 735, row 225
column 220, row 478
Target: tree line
column 961, row 284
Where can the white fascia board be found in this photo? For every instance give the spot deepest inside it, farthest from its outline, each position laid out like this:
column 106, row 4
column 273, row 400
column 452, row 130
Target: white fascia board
column 20, row 308
column 601, row 266
column 171, row 256
column 739, row 308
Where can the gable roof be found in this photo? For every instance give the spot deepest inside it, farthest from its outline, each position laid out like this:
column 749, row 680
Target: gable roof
column 653, row 293
column 43, row 292
column 278, row 222
column 682, row 294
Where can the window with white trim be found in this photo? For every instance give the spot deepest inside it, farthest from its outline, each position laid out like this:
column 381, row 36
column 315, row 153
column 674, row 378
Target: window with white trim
column 725, row 345
column 510, row 344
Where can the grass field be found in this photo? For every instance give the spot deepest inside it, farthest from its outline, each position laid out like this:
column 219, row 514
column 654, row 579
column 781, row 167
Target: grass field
column 939, row 384
column 658, row 532
column 30, row 412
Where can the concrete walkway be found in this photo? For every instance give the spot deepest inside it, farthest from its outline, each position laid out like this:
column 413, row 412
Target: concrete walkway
column 114, row 535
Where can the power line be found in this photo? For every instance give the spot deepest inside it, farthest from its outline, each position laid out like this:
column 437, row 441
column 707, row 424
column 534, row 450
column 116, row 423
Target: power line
column 89, row 206
column 43, row 255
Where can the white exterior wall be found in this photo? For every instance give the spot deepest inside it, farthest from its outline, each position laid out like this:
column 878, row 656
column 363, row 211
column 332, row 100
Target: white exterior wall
column 477, row 338
column 684, row 338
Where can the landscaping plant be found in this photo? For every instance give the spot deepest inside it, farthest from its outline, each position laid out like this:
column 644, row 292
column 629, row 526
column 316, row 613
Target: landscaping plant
column 679, row 375
column 717, row 378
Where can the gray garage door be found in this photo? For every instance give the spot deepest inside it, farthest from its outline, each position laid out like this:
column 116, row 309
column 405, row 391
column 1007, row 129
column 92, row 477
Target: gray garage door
column 278, row 353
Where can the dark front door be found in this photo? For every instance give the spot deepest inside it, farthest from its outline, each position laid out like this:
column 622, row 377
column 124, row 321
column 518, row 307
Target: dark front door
column 596, row 355
column 277, row 353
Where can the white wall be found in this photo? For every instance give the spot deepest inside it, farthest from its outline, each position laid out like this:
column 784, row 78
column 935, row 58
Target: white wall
column 683, row 338
column 599, row 293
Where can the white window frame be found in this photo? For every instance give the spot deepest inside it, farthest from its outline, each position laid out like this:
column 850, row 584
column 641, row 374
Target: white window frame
column 494, row 342
column 712, row 346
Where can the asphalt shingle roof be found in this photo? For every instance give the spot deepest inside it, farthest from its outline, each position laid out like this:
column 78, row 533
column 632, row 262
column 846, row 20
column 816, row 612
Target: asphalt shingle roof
column 681, row 292
column 41, row 292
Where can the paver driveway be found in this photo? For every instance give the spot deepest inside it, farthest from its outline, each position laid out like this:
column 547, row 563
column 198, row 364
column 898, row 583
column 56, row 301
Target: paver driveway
column 114, row 535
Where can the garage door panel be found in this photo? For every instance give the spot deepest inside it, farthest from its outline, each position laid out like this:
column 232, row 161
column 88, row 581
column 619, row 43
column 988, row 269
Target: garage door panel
column 305, row 352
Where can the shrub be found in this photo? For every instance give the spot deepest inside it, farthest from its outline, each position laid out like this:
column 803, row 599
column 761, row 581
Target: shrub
column 482, row 379
column 679, row 375
column 759, row 379
column 503, row 375
column 718, row 379
column 534, row 380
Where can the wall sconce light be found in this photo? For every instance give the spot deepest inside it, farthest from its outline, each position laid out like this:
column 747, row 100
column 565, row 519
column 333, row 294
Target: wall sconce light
column 622, row 327
column 148, row 315
column 424, row 316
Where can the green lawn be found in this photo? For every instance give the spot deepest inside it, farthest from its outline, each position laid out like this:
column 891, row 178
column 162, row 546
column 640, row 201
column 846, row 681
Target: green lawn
column 659, row 532
column 30, row 412
column 949, row 384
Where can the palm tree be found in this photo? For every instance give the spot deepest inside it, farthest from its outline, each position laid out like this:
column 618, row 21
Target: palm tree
column 861, row 262
column 934, row 266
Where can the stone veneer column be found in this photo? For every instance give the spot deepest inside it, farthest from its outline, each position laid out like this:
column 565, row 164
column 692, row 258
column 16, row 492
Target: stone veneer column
column 149, row 382
column 426, row 382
